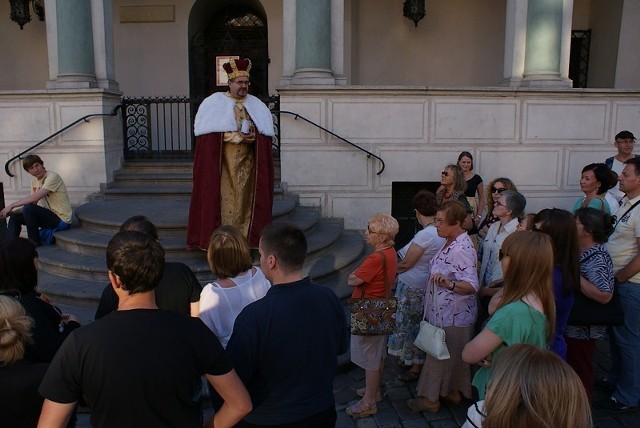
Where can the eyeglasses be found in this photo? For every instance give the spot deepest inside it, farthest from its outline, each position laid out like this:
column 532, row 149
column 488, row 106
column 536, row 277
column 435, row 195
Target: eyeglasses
column 445, row 173
column 501, row 254
column 499, row 204
column 498, row 190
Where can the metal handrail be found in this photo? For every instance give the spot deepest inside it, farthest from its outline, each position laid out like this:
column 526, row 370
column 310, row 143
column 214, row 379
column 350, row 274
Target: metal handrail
column 55, row 134
column 369, row 154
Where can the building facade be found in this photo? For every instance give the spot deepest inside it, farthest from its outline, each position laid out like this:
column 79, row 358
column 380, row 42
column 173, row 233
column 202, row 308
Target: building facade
column 533, row 89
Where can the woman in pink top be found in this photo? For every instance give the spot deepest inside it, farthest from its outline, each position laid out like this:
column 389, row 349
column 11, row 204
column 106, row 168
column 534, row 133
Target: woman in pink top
column 238, row 284
column 450, row 303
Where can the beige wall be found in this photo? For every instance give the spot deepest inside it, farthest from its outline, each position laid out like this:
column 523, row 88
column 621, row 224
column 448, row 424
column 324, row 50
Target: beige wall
column 153, row 58
column 540, row 139
column 24, row 63
column 458, row 43
column 605, row 25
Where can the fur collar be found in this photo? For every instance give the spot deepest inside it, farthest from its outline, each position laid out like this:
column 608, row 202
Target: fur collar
column 215, row 114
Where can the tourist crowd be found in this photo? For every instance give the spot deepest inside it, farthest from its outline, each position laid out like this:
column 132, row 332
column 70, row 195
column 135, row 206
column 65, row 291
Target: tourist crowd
column 521, row 299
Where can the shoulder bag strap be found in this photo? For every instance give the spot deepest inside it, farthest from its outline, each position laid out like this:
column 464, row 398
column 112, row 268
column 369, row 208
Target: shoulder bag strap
column 625, row 213
column 387, row 289
column 384, row 272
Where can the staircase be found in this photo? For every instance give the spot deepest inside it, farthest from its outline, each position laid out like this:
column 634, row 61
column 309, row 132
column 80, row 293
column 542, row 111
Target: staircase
column 73, row 271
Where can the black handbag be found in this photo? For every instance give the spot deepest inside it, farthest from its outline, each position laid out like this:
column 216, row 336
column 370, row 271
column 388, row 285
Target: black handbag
column 589, row 312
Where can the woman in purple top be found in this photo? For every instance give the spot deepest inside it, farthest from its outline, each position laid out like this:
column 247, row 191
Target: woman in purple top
column 450, row 302
column 561, row 227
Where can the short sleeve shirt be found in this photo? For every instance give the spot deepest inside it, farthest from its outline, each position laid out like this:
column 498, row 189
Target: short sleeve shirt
column 622, row 244
column 57, row 201
column 514, row 323
column 472, row 186
column 428, row 240
column 457, row 262
column 135, row 368
column 371, row 271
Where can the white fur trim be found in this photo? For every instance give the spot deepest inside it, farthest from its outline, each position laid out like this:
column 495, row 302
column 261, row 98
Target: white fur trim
column 215, row 114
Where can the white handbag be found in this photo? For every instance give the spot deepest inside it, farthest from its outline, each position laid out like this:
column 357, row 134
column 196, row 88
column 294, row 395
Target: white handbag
column 432, row 339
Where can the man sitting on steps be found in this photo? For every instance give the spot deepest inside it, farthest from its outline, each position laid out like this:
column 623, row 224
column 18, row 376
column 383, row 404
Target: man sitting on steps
column 45, row 211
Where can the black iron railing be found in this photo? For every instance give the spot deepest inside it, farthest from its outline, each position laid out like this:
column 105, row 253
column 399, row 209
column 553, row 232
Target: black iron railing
column 162, row 127
column 157, row 127
column 369, row 154
column 55, row 134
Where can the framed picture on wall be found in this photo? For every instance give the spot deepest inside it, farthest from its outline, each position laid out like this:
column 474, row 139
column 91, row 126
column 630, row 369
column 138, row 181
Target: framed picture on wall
column 221, row 75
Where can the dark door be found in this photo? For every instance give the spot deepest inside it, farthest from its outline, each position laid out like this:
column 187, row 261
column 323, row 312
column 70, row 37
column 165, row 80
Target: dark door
column 233, row 31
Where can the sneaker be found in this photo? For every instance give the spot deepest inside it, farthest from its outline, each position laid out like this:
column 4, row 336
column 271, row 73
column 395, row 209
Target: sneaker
column 612, row 405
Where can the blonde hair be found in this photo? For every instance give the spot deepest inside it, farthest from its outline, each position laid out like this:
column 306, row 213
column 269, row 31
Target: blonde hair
column 459, row 183
column 534, row 388
column 530, row 270
column 228, row 253
column 384, row 224
column 15, row 327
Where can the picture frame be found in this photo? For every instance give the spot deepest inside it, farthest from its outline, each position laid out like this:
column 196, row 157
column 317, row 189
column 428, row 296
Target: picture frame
column 221, row 74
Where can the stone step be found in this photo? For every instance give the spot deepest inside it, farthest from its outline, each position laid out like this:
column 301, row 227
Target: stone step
column 172, row 191
column 169, row 215
column 74, row 273
column 56, row 261
column 82, row 241
column 145, row 178
column 78, row 278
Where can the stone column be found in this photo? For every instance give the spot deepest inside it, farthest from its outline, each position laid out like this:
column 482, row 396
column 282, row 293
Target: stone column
column 288, row 41
column 628, row 61
column 337, row 41
column 74, row 48
column 103, row 56
column 313, row 43
column 546, row 61
column 515, row 39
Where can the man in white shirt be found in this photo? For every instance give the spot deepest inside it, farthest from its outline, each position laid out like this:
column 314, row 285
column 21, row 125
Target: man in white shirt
column 623, row 247
column 624, row 142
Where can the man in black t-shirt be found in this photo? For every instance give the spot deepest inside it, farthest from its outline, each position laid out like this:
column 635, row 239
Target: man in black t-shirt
column 140, row 366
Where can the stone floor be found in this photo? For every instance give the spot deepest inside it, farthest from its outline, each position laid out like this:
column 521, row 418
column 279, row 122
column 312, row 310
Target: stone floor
column 393, row 412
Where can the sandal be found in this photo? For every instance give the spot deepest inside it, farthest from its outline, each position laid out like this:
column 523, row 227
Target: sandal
column 408, row 376
column 421, row 405
column 453, row 397
column 361, row 409
column 360, row 393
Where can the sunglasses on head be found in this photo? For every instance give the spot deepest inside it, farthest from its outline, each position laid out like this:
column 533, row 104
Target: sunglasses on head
column 495, row 189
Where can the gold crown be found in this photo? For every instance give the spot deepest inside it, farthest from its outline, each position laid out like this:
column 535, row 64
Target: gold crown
column 237, row 68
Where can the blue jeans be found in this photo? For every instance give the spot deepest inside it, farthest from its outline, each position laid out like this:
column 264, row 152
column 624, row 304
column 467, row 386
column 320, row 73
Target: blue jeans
column 625, row 347
column 34, row 217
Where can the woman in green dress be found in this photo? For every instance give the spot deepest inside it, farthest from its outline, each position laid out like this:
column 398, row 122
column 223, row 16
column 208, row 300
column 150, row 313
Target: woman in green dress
column 523, row 311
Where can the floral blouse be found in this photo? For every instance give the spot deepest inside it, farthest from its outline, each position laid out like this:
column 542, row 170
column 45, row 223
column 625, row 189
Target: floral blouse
column 458, row 263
